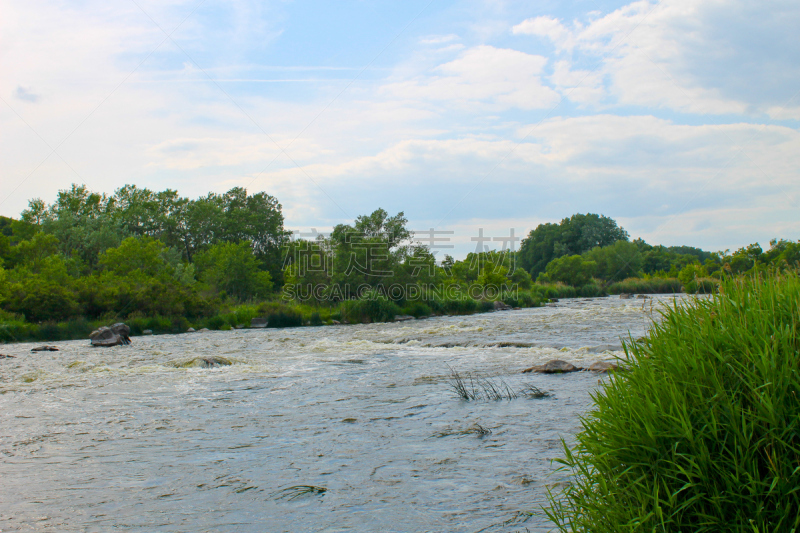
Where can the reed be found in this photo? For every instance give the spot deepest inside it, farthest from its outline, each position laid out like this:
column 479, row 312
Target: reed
column 478, row 388
column 703, row 433
column 298, row 491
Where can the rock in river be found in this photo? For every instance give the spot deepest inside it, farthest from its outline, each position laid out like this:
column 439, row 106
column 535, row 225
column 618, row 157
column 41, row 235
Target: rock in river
column 116, row 335
column 259, row 323
column 44, row 349
column 208, row 361
column 602, row 366
column 556, row 366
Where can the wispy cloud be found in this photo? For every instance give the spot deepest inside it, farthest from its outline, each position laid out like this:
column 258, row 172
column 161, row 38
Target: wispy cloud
column 26, row 94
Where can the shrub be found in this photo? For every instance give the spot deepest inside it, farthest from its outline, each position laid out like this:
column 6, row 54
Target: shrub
column 370, row 308
column 701, row 286
column 554, row 290
column 526, row 299
column 703, row 432
column 484, row 306
column 646, row 286
column 462, row 306
column 417, row 309
column 590, row 290
column 280, row 315
column 215, row 322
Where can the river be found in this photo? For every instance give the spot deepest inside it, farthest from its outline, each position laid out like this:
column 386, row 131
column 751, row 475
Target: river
column 141, row 438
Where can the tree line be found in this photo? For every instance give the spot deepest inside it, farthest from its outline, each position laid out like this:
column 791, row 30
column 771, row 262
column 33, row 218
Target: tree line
column 140, row 253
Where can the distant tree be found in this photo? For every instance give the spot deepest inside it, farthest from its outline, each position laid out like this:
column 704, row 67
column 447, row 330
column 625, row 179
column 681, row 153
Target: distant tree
column 573, row 270
column 232, row 268
column 572, row 236
column 370, row 252
column 617, row 261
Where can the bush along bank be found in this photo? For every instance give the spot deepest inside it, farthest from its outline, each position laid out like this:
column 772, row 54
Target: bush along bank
column 703, row 432
column 372, row 307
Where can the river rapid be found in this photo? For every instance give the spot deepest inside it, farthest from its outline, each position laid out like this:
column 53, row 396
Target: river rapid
column 141, row 438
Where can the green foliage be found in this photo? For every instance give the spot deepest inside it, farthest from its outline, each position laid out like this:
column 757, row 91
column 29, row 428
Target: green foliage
column 372, row 307
column 702, row 432
column 280, row 315
column 417, row 309
column 617, row 261
column 573, row 236
column 234, row 269
column 573, row 270
column 550, row 291
column 646, row 286
column 459, row 306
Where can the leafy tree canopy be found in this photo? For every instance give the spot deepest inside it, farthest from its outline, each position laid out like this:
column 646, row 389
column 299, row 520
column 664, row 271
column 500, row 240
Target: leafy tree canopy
column 572, row 236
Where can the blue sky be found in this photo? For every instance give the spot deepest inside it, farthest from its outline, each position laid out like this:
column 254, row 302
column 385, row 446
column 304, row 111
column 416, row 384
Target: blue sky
column 677, row 118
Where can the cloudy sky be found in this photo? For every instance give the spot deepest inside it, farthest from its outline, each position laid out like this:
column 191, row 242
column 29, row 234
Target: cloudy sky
column 679, row 118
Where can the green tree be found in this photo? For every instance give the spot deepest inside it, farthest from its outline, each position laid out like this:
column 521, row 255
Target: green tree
column 572, row 236
column 232, row 267
column 370, row 252
column 617, row 261
column 573, row 270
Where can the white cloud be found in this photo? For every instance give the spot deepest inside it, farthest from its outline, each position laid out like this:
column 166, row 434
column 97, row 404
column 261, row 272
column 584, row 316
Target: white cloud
column 502, row 77
column 549, row 27
column 439, row 39
column 717, row 57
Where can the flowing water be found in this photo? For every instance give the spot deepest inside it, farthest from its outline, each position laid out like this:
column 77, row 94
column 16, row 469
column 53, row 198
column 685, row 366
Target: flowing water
column 143, row 438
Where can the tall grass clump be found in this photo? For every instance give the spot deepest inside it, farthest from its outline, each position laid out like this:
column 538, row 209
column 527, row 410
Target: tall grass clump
column 646, row 286
column 370, row 308
column 280, row 315
column 703, row 433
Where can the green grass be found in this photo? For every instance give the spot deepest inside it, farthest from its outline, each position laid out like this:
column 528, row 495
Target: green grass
column 646, row 286
column 703, row 433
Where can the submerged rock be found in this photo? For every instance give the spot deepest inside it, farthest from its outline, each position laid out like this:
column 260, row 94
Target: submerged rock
column 402, row 318
column 44, row 349
column 602, row 366
column 625, row 296
column 209, row 361
column 147, row 332
column 642, row 296
column 259, row 323
column 116, row 335
column 190, row 330
column 4, row 356
column 556, row 366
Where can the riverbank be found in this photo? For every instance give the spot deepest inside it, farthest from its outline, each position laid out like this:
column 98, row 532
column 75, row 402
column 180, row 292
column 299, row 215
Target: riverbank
column 278, row 314
column 282, row 314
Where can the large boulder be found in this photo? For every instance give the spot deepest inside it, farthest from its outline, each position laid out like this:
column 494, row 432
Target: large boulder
column 603, row 366
column 116, row 335
column 556, row 366
column 501, row 306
